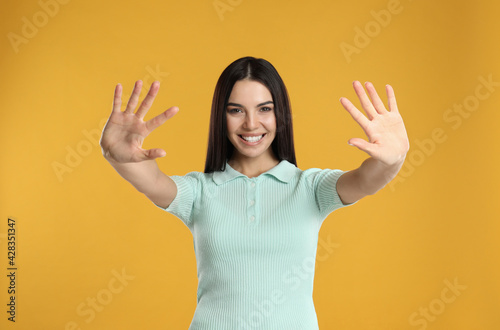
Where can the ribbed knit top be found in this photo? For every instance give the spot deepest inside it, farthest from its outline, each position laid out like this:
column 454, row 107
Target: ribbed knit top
column 255, row 241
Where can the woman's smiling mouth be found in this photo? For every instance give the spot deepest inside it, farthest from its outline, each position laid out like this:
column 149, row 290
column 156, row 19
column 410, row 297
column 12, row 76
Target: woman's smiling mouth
column 251, row 139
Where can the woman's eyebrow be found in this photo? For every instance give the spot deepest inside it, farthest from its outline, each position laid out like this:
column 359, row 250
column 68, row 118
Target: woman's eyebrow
column 258, row 105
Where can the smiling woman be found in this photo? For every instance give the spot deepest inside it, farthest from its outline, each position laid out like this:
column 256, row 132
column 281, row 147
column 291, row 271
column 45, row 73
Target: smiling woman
column 254, row 215
column 251, row 129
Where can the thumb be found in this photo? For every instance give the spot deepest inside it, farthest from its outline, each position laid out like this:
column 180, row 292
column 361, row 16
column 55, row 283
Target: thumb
column 154, row 153
column 361, row 145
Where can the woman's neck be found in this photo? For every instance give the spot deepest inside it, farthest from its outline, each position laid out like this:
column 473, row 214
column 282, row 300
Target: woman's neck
column 253, row 167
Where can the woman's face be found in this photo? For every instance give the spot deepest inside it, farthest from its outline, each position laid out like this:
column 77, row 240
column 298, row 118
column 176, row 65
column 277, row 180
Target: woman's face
column 251, row 122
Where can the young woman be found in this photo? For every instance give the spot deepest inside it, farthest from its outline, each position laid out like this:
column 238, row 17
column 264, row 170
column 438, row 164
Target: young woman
column 254, row 216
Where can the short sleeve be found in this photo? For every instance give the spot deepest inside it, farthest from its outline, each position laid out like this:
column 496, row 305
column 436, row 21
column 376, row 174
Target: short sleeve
column 324, row 186
column 187, row 192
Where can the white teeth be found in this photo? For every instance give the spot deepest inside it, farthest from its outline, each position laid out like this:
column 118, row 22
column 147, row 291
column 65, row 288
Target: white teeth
column 252, row 138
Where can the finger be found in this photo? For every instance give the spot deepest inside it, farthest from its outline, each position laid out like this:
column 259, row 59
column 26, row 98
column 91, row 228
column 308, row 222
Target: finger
column 393, row 107
column 161, row 118
column 117, row 102
column 355, row 113
column 377, row 102
column 365, row 101
column 154, row 153
column 148, row 100
column 362, row 145
column 134, row 98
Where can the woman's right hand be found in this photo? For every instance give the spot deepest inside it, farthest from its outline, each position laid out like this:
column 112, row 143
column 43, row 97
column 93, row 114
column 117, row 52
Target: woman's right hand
column 124, row 133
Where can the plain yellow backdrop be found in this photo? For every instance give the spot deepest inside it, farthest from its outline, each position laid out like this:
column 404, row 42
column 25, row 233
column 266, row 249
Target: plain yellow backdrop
column 93, row 253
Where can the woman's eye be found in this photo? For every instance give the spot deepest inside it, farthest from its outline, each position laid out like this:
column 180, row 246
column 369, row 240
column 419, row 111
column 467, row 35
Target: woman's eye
column 266, row 109
column 234, row 110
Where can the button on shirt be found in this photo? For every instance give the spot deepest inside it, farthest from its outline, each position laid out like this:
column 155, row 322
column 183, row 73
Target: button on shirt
column 255, row 241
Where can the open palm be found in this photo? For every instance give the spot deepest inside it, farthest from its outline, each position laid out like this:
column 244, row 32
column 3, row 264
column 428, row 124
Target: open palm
column 387, row 137
column 124, row 133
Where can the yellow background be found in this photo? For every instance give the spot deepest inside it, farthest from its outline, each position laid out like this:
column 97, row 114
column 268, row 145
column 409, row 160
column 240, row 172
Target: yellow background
column 393, row 252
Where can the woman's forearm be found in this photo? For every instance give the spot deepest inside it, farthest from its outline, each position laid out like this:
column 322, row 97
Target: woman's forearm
column 374, row 175
column 366, row 180
column 142, row 175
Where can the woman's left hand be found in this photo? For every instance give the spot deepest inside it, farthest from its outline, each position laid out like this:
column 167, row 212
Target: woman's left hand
column 387, row 138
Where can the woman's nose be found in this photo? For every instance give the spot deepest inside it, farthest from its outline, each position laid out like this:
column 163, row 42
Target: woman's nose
column 251, row 121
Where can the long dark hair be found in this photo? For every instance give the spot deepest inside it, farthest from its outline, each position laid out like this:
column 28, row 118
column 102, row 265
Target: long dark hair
column 220, row 149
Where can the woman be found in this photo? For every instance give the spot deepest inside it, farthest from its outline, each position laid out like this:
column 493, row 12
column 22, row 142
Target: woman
column 254, row 215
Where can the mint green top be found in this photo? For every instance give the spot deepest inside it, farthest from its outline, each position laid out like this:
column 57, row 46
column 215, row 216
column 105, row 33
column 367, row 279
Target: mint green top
column 255, row 241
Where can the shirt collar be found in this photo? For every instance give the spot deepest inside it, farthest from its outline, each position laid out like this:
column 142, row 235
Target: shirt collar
column 284, row 172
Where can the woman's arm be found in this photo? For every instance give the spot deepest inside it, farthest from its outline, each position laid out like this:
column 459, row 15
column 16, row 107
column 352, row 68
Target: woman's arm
column 387, row 146
column 121, row 144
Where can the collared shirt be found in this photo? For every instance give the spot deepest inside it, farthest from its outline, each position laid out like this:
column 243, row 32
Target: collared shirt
column 255, row 241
